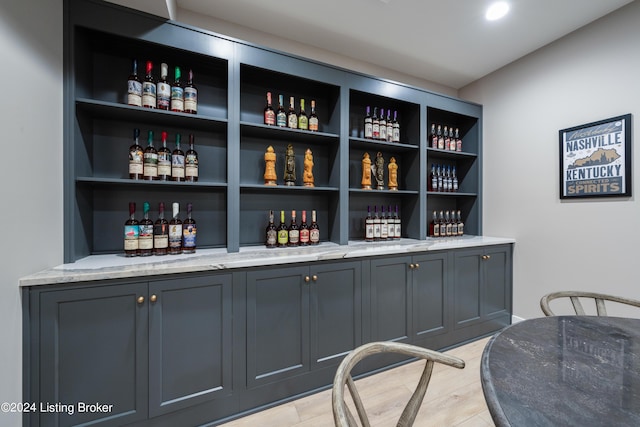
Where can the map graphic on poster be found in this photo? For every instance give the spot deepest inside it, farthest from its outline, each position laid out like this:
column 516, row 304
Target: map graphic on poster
column 594, row 159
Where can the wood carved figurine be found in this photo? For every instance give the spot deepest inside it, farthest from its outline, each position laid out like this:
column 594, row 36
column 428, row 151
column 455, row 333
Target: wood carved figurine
column 307, row 174
column 366, row 172
column 290, row 167
column 393, row 174
column 270, row 176
column 379, row 171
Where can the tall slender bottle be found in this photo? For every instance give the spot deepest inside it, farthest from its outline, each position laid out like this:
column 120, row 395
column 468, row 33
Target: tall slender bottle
column 190, row 95
column 391, row 220
column 164, row 160
column 269, row 113
column 303, row 119
column 294, row 231
column 164, row 88
column 177, row 162
column 281, row 115
column 160, row 233
column 439, row 172
column 368, row 124
column 396, row 128
column 189, row 232
column 314, row 230
column 149, row 88
column 136, row 155
column 145, row 237
column 177, row 92
column 150, row 162
column 292, row 117
column 382, row 123
column 283, row 232
column 454, row 224
column 368, row 226
column 305, row 233
column 271, row 239
column 131, row 233
column 175, row 231
column 314, row 123
column 191, row 162
column 134, row 86
column 443, row 224
column 447, row 221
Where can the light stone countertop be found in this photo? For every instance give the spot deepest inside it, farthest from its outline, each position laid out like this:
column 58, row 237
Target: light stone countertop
column 117, row 266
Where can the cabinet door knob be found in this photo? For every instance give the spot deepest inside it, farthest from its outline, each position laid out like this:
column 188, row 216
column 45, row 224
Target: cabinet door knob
column 140, row 299
column 417, row 265
column 411, row 266
column 153, row 298
column 486, row 256
column 314, row 277
column 307, row 279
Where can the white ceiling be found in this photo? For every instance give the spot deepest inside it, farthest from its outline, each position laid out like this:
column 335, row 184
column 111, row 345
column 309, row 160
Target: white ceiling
column 444, row 41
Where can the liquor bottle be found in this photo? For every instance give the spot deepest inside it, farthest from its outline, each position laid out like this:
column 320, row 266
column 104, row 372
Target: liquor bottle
column 433, row 179
column 164, row 160
column 283, row 232
column 382, row 123
column 460, row 225
column 389, row 126
column 175, row 231
column 150, row 162
column 447, row 179
column 136, row 168
column 447, row 220
column 131, row 233
column 447, row 139
column 375, row 124
column 177, row 162
column 164, row 88
column 305, row 234
column 303, row 119
column 454, row 179
column 281, row 116
column 440, row 178
column 384, row 224
column 313, row 118
column 440, row 138
column 434, row 226
column 368, row 226
column 396, row 128
column 458, row 141
column 433, row 136
column 376, row 224
column 292, row 117
column 368, row 124
column 177, row 93
column 149, row 88
column 453, row 143
column 269, row 113
column 134, row 87
column 443, row 225
column 271, row 233
column 190, row 95
column 454, row 224
column 294, row 230
column 191, row 162
column 189, row 232
column 160, row 233
column 145, row 235
column 391, row 224
column 398, row 224
column 314, row 230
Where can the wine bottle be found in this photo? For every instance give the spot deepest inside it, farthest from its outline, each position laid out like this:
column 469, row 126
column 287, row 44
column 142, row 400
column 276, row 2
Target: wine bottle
column 160, row 233
column 294, row 231
column 368, row 226
column 313, row 118
column 189, row 232
column 314, row 230
column 134, row 87
column 150, row 162
column 303, row 119
column 304, row 230
column 164, row 88
column 292, row 117
column 271, row 233
column 164, row 160
column 145, row 235
column 368, row 124
column 281, row 116
column 269, row 113
column 175, row 231
column 177, row 93
column 177, row 162
column 149, row 88
column 190, row 95
column 382, row 123
column 283, row 232
column 191, row 162
column 454, row 179
column 131, row 233
column 136, row 168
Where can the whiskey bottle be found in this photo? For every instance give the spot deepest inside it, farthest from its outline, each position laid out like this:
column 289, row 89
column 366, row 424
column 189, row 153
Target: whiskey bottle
column 391, row 224
column 433, row 179
column 389, row 127
column 191, row 162
column 136, row 168
column 164, row 160
column 177, row 93
column 382, row 122
column 271, row 233
column 149, row 88
column 368, row 124
column 145, row 235
column 294, row 231
column 134, row 87
column 398, row 224
column 314, row 230
column 439, row 170
column 447, row 220
column 458, row 141
column 292, row 117
column 447, row 179
column 375, row 124
column 377, row 224
column 454, row 224
column 396, row 128
column 164, row 88
column 384, row 224
column 313, row 118
column 269, row 113
column 443, row 225
column 447, row 139
column 440, row 138
column 160, row 233
column 433, row 136
column 453, row 143
column 190, row 95
column 177, row 162
column 305, row 234
column 454, row 179
column 283, row 232
column 175, row 231
column 434, row 226
column 189, row 232
column 460, row 225
column 150, row 162
column 131, row 233
column 281, row 116
column 368, row 226
column 303, row 119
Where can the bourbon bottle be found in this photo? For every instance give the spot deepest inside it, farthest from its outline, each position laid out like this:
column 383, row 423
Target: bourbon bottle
column 149, row 88
column 314, row 230
column 191, row 162
column 136, row 154
column 269, row 113
column 190, row 95
column 134, row 87
column 145, row 236
column 305, row 233
column 131, row 233
column 160, row 233
column 189, row 232
column 175, row 231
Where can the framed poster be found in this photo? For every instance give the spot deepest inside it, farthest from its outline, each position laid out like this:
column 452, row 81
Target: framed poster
column 595, row 159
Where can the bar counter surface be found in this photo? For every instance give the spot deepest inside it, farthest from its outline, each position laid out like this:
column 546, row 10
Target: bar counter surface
column 117, row 266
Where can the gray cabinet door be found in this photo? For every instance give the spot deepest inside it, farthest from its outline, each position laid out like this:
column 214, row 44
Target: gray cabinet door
column 277, row 324
column 466, row 284
column 497, row 282
column 93, row 348
column 390, row 299
column 190, row 359
column 430, row 294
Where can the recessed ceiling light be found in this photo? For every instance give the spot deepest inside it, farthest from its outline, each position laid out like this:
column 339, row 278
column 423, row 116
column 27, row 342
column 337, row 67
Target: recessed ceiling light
column 497, row 10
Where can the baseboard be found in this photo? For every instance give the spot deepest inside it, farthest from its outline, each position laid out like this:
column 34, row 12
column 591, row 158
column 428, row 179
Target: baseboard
column 516, row 319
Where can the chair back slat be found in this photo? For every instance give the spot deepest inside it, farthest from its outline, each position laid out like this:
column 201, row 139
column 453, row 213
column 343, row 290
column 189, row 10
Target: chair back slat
column 600, row 308
column 357, row 401
column 577, row 306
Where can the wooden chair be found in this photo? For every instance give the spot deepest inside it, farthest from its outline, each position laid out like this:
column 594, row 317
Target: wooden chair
column 342, row 414
column 575, row 297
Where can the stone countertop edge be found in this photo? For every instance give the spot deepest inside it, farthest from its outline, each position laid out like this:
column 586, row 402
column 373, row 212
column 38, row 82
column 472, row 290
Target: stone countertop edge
column 117, row 266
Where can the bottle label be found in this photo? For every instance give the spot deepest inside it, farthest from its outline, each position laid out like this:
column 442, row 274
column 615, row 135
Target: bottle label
column 150, row 164
column 294, row 236
column 177, row 98
column 376, row 230
column 384, row 230
column 383, row 132
column 396, row 134
column 436, row 230
column 164, row 96
column 269, row 117
column 134, row 93
column 375, row 132
column 314, row 235
column 131, row 234
column 149, row 94
column 368, row 230
column 304, row 235
column 281, row 119
column 191, row 99
column 283, row 237
column 292, row 121
column 175, row 235
column 398, row 229
column 189, row 236
column 368, row 129
column 272, row 237
column 164, row 164
column 434, row 142
column 303, row 123
column 145, row 239
column 191, row 165
column 313, row 124
column 390, row 133
column 135, row 161
column 177, row 166
column 161, row 241
column 441, row 143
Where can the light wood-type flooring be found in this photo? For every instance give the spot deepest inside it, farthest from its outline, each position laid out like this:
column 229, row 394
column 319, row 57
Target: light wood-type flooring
column 454, row 398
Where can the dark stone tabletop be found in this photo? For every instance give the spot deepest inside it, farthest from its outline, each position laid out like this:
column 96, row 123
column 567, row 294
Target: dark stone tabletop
column 564, row 371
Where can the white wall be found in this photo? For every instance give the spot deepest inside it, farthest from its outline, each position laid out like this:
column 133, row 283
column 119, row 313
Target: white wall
column 592, row 74
column 31, row 172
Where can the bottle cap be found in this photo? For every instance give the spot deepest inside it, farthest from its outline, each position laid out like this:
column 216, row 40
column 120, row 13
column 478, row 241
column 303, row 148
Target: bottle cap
column 145, row 207
column 136, row 133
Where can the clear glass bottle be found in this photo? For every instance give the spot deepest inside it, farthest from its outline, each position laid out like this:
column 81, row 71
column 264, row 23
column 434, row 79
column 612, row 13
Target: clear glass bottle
column 368, row 124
